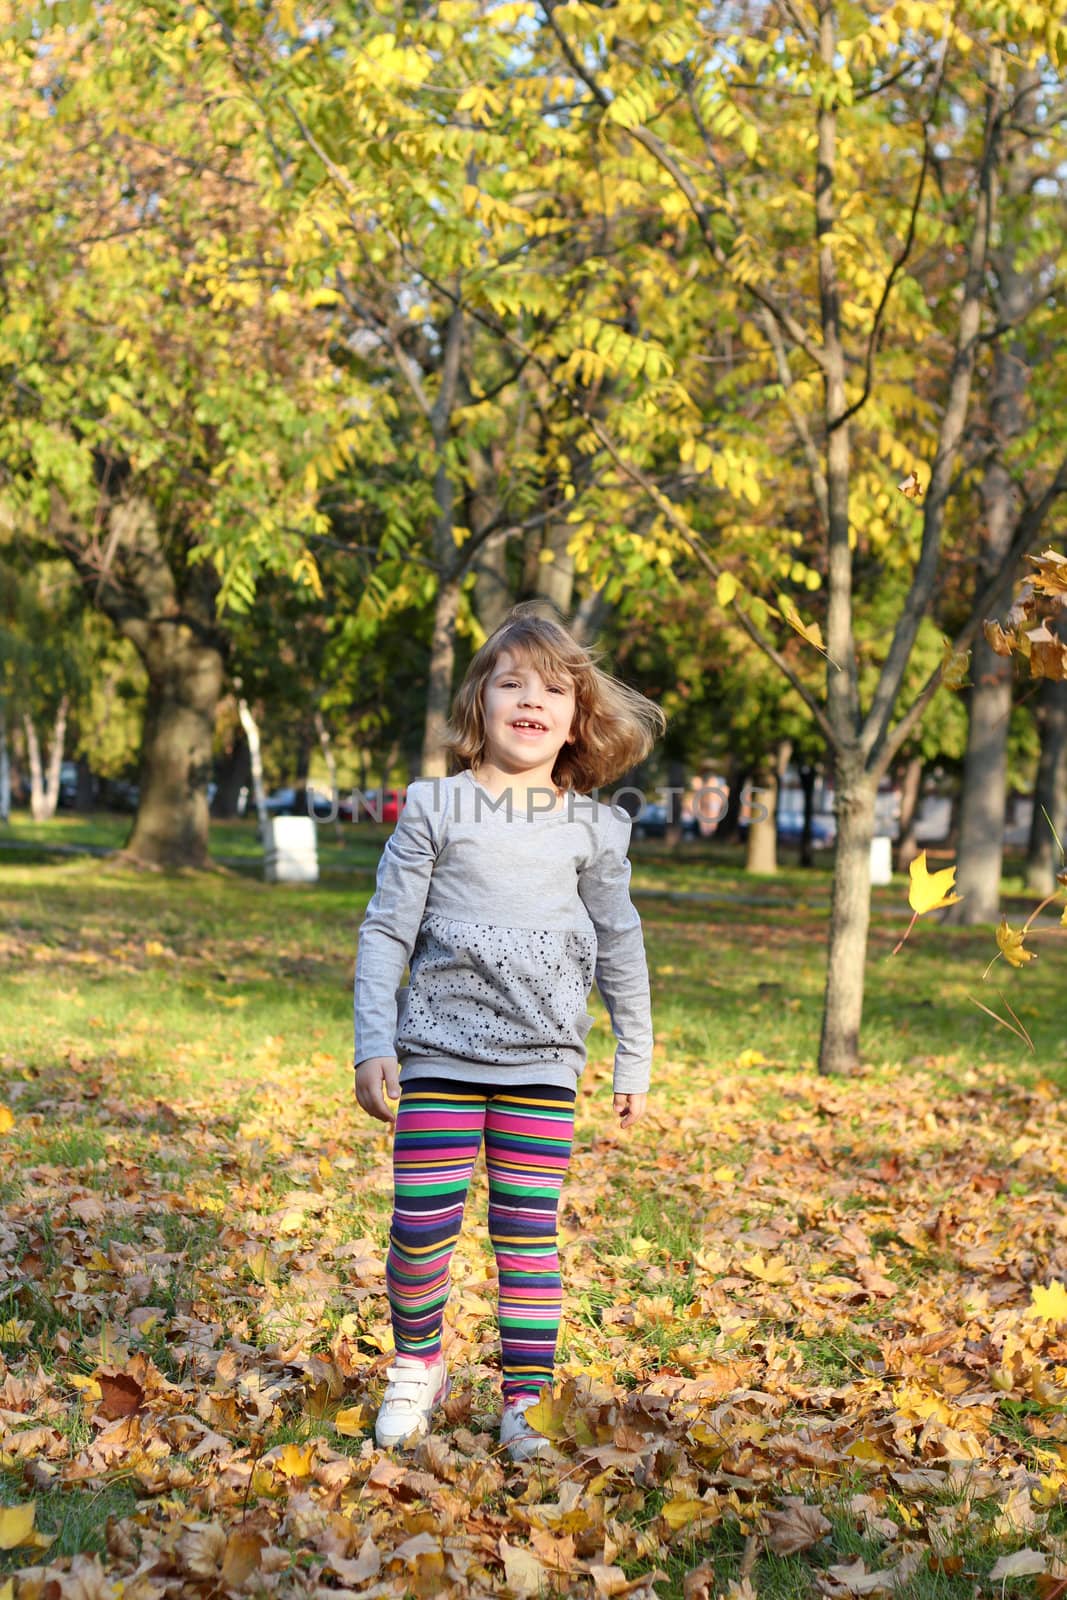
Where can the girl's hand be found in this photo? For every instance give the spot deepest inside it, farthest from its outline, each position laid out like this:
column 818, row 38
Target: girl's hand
column 377, row 1077
column 630, row 1107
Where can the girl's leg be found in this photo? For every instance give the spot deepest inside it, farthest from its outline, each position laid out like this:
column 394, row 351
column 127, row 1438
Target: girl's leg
column 528, row 1136
column 438, row 1135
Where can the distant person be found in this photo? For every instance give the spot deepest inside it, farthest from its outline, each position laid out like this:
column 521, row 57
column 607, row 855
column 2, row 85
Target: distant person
column 506, row 887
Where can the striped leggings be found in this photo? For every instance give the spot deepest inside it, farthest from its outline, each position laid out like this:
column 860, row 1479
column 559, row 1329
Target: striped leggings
column 528, row 1136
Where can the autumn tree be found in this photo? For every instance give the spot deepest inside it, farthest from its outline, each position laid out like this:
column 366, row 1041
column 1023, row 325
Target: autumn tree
column 172, row 412
column 771, row 129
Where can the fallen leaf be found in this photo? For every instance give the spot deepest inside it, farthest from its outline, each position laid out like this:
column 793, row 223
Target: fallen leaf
column 796, row 1527
column 1049, row 1302
column 1018, row 1565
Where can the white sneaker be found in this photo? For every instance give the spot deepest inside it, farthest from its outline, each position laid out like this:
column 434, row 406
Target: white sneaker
column 413, row 1390
column 522, row 1441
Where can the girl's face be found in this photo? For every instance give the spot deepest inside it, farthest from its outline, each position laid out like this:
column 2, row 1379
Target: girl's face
column 527, row 718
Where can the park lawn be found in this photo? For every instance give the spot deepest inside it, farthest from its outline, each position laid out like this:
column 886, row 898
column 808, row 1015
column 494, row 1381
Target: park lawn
column 775, row 1285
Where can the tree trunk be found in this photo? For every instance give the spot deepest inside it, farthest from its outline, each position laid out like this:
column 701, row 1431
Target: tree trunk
column 165, row 607
column 590, row 616
column 439, row 687
column 675, row 790
column 259, row 793
column 304, row 746
column 850, row 912
column 761, row 850
column 33, row 757
column 85, row 794
column 326, row 744
column 807, row 845
column 911, row 794
column 233, row 773
column 726, row 831
column 1043, row 859
column 55, row 757
column 44, row 780
column 5, row 769
column 492, row 589
column 184, row 686
column 985, row 765
column 555, row 578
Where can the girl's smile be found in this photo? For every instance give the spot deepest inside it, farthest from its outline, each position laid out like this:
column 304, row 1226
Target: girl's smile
column 527, row 720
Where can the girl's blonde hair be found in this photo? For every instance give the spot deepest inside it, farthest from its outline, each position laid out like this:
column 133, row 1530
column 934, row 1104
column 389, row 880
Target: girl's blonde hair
column 615, row 727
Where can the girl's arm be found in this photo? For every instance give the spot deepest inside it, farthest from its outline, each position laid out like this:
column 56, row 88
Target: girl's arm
column 621, row 967
column 391, row 925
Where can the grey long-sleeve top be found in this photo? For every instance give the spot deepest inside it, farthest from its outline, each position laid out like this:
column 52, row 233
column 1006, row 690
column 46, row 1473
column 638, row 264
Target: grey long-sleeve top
column 505, row 919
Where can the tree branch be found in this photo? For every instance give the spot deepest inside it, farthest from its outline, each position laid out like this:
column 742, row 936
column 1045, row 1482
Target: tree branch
column 1027, row 529
column 950, row 434
column 669, row 162
column 798, row 419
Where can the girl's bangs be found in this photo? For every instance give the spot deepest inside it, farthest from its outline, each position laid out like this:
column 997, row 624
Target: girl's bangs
column 539, row 654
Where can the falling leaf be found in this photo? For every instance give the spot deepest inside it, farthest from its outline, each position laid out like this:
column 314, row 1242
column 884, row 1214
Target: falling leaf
column 810, row 632
column 910, row 486
column 1010, row 944
column 1048, row 655
column 929, row 891
column 1051, row 575
column 1002, row 643
column 954, row 664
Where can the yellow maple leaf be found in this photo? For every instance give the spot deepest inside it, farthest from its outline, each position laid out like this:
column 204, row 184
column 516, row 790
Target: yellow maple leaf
column 351, row 1422
column 7, row 1120
column 1010, row 944
column 550, row 1416
column 1049, row 1303
column 775, row 1269
column 16, row 1525
column 929, row 891
column 683, row 1509
column 294, row 1462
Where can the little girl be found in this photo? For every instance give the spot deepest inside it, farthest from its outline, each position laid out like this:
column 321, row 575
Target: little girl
column 506, row 887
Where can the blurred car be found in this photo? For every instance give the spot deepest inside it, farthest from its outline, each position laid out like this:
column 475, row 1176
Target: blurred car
column 651, row 822
column 791, row 830
column 373, row 805
column 118, row 794
column 290, row 802
column 68, row 785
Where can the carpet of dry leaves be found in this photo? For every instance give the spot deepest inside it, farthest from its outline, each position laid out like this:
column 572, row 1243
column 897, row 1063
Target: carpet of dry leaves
column 814, row 1331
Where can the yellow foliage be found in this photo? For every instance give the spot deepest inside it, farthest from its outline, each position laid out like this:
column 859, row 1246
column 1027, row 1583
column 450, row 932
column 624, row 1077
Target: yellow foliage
column 1010, row 944
column 929, row 891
